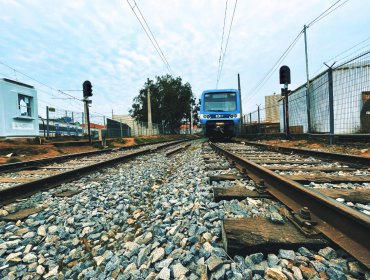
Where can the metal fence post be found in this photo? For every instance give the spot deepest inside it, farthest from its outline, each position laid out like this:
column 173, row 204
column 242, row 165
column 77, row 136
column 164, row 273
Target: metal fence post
column 47, row 122
column 331, row 105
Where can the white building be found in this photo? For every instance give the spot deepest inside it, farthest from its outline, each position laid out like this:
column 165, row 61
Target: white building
column 18, row 109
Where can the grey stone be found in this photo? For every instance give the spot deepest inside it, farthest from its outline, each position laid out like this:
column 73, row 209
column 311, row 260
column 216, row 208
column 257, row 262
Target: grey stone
column 179, row 270
column 318, row 266
column 213, row 262
column 276, row 218
column 157, row 254
column 335, row 274
column 164, row 263
column 305, row 252
column 175, row 254
column 220, row 252
column 272, row 260
column 256, row 258
column 297, row 272
column 328, row 253
column 164, row 274
column 287, row 254
column 219, row 273
column 258, row 269
column 29, row 258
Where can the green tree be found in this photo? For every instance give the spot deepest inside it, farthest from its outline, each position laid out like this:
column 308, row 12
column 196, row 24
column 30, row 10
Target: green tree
column 170, row 102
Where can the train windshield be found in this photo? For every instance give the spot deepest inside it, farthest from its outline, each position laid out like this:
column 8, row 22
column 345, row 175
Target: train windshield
column 220, row 102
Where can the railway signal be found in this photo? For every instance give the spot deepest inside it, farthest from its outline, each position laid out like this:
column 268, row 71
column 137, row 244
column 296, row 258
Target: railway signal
column 87, row 92
column 284, row 74
column 87, row 88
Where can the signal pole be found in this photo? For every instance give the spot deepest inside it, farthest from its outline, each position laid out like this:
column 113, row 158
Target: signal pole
column 87, row 92
column 284, row 74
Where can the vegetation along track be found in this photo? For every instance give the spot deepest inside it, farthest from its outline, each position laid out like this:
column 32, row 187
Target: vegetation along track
column 282, row 176
column 20, row 179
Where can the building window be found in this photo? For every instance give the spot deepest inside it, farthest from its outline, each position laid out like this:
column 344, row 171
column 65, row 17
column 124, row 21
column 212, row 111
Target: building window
column 24, row 105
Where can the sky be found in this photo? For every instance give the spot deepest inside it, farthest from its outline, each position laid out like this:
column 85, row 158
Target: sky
column 59, row 44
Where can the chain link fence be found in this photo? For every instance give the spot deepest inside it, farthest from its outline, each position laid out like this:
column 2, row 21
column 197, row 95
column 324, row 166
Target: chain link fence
column 337, row 102
column 60, row 122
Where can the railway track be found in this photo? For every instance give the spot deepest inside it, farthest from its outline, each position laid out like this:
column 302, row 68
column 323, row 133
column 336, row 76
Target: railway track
column 156, row 217
column 22, row 179
column 281, row 176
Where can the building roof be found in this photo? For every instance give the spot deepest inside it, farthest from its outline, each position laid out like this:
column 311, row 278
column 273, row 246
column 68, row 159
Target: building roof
column 16, row 82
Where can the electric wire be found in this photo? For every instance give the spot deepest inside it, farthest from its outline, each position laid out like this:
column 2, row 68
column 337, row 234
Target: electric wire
column 38, row 89
column 327, row 12
column 227, row 41
column 343, row 52
column 152, row 40
column 267, row 76
column 269, row 73
column 39, row 82
column 222, row 42
column 155, row 40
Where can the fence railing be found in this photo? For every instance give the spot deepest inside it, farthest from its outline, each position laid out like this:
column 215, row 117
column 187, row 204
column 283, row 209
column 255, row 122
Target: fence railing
column 337, row 102
column 69, row 123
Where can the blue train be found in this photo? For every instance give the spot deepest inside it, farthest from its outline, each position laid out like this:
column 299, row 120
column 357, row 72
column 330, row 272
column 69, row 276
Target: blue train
column 220, row 113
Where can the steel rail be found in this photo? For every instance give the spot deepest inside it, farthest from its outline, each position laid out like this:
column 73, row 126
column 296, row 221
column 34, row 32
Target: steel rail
column 346, row 227
column 26, row 189
column 39, row 162
column 320, row 154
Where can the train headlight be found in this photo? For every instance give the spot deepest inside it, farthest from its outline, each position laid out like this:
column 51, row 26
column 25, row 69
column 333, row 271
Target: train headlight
column 233, row 116
column 205, row 116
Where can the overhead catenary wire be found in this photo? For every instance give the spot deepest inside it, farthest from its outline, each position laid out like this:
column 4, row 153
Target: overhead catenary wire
column 328, row 11
column 150, row 35
column 222, row 43
column 267, row 76
column 227, row 42
column 343, row 52
column 39, row 82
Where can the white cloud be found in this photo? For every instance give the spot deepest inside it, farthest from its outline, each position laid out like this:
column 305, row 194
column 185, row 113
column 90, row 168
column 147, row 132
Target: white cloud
column 64, row 43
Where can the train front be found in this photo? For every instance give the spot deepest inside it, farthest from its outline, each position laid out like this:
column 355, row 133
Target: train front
column 220, row 113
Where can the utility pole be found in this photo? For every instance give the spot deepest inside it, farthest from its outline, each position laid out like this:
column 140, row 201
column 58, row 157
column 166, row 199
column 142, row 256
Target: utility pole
column 308, row 102
column 241, row 107
column 149, row 109
column 259, row 118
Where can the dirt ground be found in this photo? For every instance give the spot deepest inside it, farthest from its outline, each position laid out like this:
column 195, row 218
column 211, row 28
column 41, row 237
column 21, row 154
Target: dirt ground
column 26, row 149
column 357, row 149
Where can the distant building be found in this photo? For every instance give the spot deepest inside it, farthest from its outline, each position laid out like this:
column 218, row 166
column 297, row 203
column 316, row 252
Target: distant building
column 18, row 109
column 272, row 108
column 138, row 128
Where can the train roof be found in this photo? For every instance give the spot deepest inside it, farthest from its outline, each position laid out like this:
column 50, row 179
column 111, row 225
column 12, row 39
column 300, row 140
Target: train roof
column 219, row 90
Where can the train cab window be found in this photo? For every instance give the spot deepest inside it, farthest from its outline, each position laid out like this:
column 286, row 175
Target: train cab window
column 220, row 102
column 24, row 105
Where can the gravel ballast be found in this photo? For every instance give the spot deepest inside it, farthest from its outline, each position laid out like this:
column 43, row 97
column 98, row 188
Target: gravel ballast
column 151, row 218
